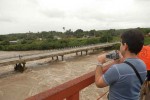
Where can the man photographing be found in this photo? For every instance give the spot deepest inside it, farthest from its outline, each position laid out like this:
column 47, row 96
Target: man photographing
column 124, row 82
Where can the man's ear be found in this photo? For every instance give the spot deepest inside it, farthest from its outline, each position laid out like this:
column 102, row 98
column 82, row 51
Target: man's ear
column 125, row 46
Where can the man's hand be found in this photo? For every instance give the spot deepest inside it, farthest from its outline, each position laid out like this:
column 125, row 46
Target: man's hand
column 102, row 58
column 99, row 81
column 120, row 60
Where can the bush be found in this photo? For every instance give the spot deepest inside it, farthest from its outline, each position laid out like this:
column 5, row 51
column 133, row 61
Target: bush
column 147, row 41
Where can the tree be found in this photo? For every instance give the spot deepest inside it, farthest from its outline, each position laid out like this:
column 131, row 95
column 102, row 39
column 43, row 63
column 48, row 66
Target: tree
column 5, row 42
column 106, row 37
column 79, row 33
column 64, row 29
column 69, row 33
column 112, row 32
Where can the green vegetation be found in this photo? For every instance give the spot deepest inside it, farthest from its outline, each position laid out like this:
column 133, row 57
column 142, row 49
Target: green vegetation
column 147, row 41
column 54, row 40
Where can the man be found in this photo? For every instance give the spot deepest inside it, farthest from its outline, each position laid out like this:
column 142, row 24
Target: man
column 124, row 83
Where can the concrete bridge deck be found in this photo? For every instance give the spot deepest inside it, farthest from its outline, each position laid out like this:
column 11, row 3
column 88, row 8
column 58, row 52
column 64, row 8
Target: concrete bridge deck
column 61, row 52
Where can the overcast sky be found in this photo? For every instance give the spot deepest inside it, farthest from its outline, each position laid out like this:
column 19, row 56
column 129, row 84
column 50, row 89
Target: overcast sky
column 20, row 16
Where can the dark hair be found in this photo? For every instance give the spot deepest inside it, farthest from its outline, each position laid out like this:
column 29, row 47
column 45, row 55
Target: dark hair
column 134, row 39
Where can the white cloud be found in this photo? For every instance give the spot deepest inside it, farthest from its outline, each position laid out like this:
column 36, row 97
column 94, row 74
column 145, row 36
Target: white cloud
column 54, row 13
column 46, row 15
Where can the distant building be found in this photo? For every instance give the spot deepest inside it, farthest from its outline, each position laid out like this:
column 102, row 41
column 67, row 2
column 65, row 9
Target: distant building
column 57, row 37
column 87, row 36
column 13, row 42
column 39, row 39
column 149, row 34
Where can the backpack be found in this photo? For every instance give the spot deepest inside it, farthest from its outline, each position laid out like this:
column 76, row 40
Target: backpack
column 145, row 91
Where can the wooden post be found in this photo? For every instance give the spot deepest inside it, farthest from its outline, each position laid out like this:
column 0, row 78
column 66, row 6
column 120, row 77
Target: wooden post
column 52, row 58
column 56, row 57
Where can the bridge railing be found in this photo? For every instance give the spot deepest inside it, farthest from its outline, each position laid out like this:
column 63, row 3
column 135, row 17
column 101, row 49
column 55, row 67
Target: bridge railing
column 67, row 91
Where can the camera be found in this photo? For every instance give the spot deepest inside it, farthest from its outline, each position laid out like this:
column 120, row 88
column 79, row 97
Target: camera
column 113, row 55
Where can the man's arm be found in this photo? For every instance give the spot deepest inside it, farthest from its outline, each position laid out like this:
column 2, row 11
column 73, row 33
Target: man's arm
column 100, row 70
column 99, row 81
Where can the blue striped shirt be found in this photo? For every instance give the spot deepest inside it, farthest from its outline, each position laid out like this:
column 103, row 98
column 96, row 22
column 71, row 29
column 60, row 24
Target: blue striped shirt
column 123, row 82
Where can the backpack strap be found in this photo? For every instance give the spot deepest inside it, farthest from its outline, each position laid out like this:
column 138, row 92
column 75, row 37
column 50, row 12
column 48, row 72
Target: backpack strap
column 137, row 74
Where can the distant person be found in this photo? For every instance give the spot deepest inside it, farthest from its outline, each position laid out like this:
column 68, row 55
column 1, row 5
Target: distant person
column 120, row 76
column 145, row 56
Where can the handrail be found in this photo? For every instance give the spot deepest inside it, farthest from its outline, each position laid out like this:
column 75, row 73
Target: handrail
column 69, row 90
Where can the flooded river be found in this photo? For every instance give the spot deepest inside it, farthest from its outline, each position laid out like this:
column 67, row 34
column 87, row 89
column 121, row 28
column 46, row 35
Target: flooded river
column 44, row 74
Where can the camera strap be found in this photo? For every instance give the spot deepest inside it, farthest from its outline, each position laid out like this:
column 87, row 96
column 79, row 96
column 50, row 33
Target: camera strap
column 137, row 74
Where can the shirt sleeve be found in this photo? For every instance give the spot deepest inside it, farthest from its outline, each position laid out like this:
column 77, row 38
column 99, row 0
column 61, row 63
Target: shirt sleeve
column 111, row 75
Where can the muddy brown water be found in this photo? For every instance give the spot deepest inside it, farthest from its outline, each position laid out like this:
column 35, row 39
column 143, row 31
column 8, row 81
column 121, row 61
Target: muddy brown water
column 44, row 74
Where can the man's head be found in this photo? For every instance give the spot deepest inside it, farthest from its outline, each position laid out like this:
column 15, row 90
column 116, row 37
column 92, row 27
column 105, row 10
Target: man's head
column 131, row 40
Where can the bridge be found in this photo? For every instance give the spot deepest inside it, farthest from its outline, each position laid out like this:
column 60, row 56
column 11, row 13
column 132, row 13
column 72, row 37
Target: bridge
column 21, row 60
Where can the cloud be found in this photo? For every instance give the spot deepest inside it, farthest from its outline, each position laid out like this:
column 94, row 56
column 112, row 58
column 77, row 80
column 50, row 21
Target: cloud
column 34, row 2
column 6, row 18
column 46, row 15
column 54, row 13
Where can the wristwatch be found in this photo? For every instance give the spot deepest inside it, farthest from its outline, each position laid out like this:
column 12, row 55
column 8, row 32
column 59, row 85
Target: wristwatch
column 99, row 64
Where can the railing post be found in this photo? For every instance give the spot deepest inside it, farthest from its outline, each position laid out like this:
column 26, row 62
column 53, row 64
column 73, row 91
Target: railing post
column 76, row 53
column 74, row 97
column 81, row 53
column 86, row 52
column 62, row 56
